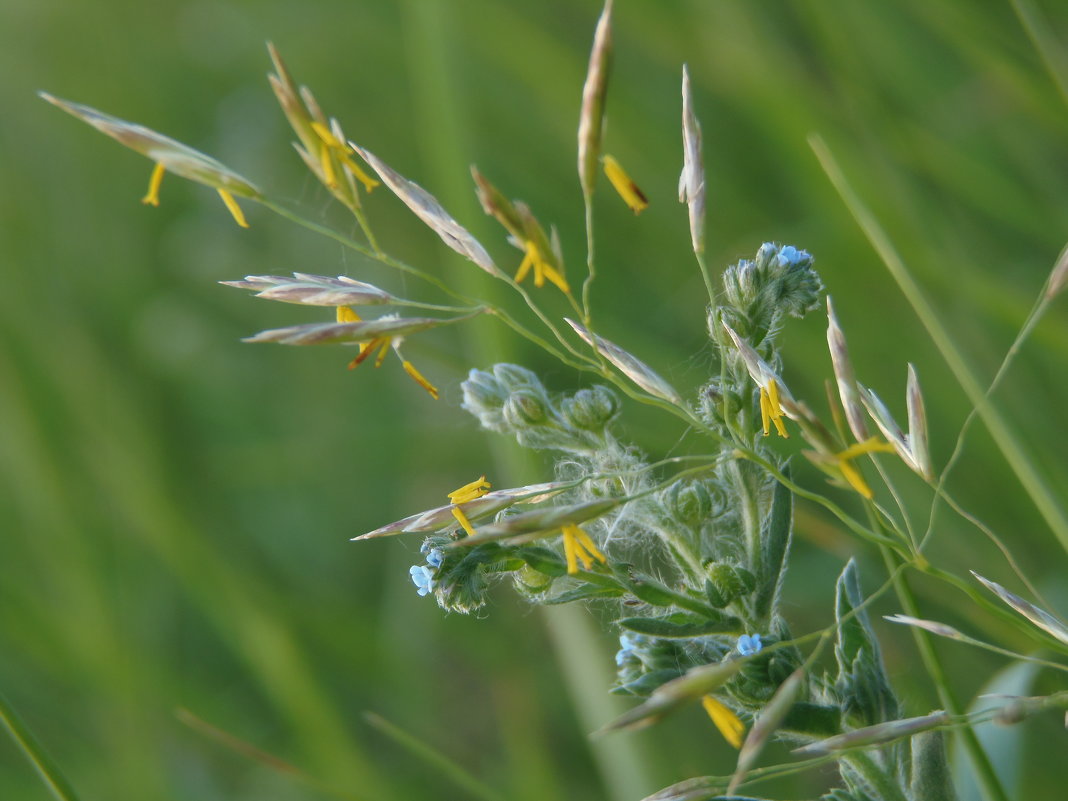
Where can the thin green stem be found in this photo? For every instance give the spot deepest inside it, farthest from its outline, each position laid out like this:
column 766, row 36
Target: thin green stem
column 707, row 276
column 446, row 768
column 1031, row 480
column 998, row 543
column 352, row 244
column 32, row 750
column 985, row 775
column 365, row 226
column 591, row 269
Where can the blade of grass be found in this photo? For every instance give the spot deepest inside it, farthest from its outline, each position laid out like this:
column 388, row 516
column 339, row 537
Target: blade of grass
column 42, row 763
column 1033, row 483
column 250, row 751
column 449, row 770
column 1051, row 53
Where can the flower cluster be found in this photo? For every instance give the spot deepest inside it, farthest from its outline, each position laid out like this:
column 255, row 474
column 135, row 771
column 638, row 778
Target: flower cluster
column 685, row 555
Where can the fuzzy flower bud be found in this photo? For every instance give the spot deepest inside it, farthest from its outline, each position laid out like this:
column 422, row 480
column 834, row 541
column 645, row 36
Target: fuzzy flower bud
column 730, row 581
column 525, row 408
column 590, row 409
column 484, row 397
column 689, row 503
column 779, row 281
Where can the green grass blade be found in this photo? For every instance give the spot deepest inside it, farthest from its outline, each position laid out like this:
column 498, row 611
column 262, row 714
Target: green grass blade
column 42, row 763
column 1051, row 53
column 448, row 769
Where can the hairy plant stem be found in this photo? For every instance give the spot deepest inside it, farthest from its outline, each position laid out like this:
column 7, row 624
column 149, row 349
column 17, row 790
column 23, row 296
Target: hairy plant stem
column 887, row 786
column 750, row 511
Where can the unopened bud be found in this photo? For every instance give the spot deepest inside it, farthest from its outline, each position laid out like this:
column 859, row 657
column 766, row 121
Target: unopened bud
column 689, row 503
column 590, row 409
column 524, row 408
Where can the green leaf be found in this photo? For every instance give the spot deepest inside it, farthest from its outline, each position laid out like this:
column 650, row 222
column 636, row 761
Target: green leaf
column 544, row 560
column 775, row 545
column 682, row 624
column 647, row 682
column 862, row 685
column 651, row 591
column 589, row 592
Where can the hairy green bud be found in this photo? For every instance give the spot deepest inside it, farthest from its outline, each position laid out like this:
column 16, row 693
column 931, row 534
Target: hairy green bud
column 730, row 581
column 590, row 409
column 690, row 503
column 484, row 398
column 526, row 407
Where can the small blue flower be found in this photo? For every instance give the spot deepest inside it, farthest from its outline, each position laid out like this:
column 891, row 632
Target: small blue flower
column 627, row 642
column 423, row 578
column 791, row 256
column 749, row 645
column 435, row 557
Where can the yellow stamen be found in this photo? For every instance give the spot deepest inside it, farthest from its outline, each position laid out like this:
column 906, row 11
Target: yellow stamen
column 233, row 208
column 627, row 189
column 368, row 182
column 771, row 409
column 729, row 725
column 765, row 413
column 527, row 263
column 152, row 198
column 409, row 368
column 458, row 513
column 327, row 162
column 343, row 151
column 468, row 492
column 542, row 268
column 850, row 473
column 382, row 352
column 327, row 136
column 854, row 478
column 366, row 349
column 569, row 555
column 578, row 546
column 553, row 275
column 870, row 445
column 346, row 314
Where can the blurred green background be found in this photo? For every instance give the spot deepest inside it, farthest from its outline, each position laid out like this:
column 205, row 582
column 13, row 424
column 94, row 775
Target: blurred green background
column 175, row 506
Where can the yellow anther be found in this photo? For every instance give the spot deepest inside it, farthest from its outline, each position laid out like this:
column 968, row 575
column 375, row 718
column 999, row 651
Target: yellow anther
column 327, row 162
column 850, row 473
column 152, row 198
column 579, row 547
column 468, row 492
column 542, row 268
column 233, row 208
column 368, row 182
column 625, row 186
column 771, row 409
column 409, row 368
column 729, row 724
